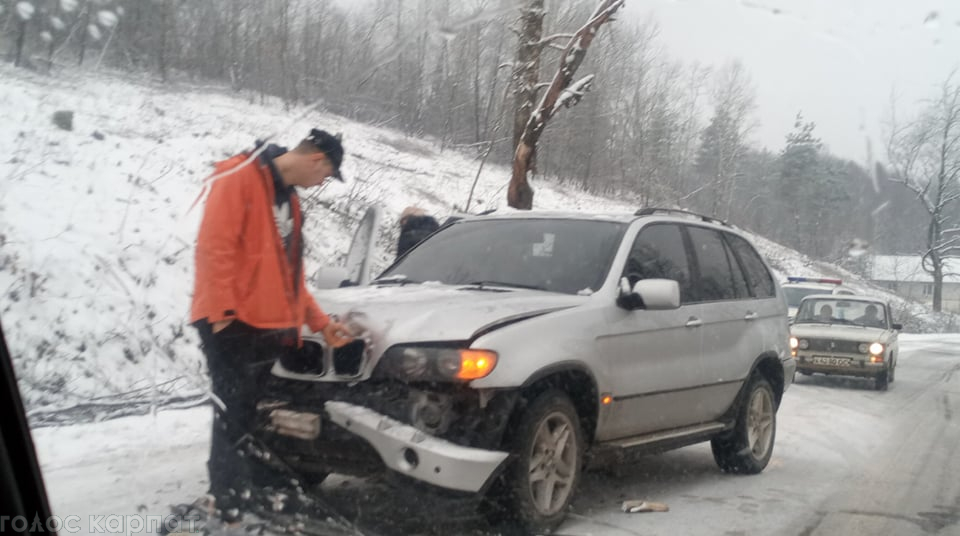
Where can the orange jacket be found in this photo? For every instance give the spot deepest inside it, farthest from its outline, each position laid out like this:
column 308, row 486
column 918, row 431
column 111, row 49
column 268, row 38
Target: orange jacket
column 242, row 268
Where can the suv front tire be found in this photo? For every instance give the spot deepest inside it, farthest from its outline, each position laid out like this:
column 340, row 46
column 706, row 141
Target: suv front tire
column 549, row 448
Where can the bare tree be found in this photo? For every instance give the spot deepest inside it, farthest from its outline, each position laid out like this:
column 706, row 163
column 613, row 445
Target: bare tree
column 724, row 140
column 563, row 91
column 924, row 153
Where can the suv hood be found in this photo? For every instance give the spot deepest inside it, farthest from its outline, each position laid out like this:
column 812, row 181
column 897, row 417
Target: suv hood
column 433, row 312
column 838, row 332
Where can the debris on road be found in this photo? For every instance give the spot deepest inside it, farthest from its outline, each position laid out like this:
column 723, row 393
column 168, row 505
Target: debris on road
column 637, row 507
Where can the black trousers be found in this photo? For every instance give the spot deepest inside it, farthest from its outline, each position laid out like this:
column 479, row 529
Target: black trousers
column 239, row 358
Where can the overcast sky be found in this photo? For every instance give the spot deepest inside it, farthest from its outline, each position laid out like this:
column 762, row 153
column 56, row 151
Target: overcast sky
column 837, row 60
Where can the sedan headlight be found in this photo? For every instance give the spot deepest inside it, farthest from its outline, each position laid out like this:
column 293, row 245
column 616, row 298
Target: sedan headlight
column 434, row 363
column 876, row 348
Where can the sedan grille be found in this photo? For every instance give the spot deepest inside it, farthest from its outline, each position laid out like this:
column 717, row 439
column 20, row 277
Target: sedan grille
column 840, row 347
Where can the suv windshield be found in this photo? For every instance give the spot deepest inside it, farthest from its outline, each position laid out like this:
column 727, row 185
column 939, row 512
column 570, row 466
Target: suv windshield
column 557, row 255
column 840, row 311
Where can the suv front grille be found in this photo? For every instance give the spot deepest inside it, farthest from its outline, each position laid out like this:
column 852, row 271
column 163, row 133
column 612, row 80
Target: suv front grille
column 348, row 359
column 308, row 359
column 840, row 347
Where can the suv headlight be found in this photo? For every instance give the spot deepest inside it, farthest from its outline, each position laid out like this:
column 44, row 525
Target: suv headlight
column 436, row 363
column 864, row 348
column 876, row 348
column 803, row 344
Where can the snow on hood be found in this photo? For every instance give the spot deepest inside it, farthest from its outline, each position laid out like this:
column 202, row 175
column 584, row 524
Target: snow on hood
column 434, row 312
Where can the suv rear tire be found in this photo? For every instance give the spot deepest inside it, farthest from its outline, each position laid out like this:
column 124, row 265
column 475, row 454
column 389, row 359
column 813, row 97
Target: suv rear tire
column 747, row 448
column 548, row 446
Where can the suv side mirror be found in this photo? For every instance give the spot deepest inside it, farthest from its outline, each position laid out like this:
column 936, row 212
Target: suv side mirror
column 897, row 327
column 330, row 277
column 650, row 294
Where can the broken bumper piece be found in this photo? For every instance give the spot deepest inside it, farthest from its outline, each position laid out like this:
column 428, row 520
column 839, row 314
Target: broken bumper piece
column 411, row 452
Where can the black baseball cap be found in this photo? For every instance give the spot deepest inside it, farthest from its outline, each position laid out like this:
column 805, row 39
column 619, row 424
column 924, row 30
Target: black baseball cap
column 330, row 145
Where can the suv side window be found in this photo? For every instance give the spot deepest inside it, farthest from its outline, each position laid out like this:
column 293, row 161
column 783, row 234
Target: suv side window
column 659, row 253
column 739, row 278
column 715, row 278
column 758, row 277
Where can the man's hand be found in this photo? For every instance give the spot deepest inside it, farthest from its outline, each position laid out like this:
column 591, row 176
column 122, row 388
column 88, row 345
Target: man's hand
column 221, row 325
column 337, row 334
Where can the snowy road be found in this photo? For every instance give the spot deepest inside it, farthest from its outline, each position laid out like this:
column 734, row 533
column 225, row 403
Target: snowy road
column 848, row 460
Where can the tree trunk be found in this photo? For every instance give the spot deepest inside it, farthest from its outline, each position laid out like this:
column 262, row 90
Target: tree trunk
column 21, row 38
column 398, row 88
column 286, row 80
column 83, row 34
column 477, row 103
column 936, row 261
column 526, row 73
column 491, row 97
column 235, row 55
column 938, row 287
column 162, row 47
column 519, row 193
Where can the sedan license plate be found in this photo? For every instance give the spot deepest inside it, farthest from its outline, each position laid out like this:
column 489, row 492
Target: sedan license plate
column 831, row 361
column 300, row 425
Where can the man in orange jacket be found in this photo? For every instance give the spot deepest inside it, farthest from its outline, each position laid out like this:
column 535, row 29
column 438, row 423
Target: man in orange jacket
column 250, row 298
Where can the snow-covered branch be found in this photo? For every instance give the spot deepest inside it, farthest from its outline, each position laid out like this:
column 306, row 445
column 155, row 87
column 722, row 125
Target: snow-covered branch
column 949, row 244
column 551, row 38
column 572, row 94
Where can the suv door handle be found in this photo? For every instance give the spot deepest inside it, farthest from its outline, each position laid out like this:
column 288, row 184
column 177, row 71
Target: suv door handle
column 751, row 316
column 694, row 322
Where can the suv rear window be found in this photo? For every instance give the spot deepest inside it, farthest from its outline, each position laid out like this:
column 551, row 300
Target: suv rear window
column 716, row 276
column 758, row 277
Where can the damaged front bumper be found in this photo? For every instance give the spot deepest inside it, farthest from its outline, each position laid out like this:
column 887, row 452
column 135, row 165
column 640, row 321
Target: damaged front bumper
column 411, row 452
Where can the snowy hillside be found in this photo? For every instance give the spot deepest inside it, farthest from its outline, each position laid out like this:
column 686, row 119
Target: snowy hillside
column 96, row 260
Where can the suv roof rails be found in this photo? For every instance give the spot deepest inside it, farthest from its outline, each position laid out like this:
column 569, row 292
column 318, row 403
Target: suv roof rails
column 649, row 211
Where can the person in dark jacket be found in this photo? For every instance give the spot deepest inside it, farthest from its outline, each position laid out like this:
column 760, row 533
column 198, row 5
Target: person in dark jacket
column 415, row 225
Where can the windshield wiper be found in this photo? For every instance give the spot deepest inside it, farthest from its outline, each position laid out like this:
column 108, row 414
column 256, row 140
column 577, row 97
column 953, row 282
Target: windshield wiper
column 504, row 284
column 395, row 280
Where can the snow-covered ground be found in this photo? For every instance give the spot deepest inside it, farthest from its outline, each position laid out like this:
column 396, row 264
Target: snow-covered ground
column 847, row 460
column 96, row 252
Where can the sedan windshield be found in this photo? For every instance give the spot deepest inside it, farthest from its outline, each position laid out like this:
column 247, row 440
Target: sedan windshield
column 556, row 255
column 839, row 311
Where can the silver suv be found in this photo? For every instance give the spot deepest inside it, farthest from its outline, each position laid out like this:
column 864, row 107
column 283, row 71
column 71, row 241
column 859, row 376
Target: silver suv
column 505, row 351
